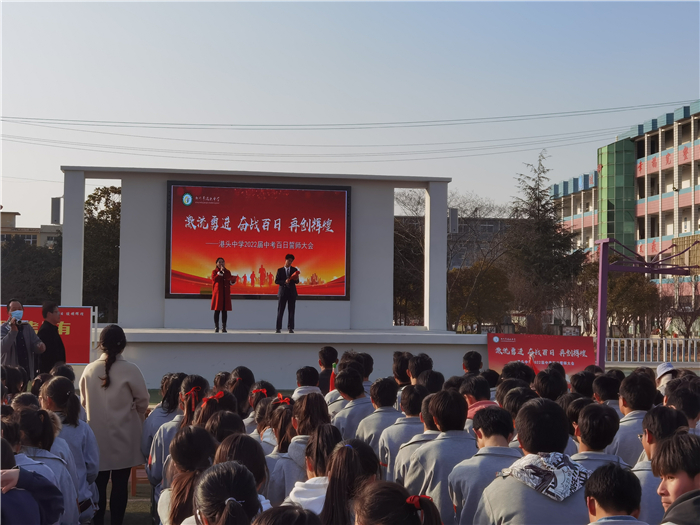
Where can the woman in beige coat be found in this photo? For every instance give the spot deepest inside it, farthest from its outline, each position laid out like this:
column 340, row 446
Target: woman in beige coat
column 114, row 394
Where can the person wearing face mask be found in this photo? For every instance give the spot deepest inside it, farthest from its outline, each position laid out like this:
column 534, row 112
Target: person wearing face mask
column 19, row 340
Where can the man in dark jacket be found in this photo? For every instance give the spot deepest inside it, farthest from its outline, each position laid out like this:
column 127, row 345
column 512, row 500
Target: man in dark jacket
column 287, row 292
column 48, row 332
column 677, row 462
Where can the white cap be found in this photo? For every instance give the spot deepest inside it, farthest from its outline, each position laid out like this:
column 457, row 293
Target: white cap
column 663, row 368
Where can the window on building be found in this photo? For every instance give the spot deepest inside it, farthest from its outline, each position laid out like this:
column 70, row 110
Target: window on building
column 686, row 224
column 640, row 149
column 684, row 133
column 29, row 239
column 668, row 138
column 653, row 145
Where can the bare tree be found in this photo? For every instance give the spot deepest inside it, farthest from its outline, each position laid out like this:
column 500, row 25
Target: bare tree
column 687, row 308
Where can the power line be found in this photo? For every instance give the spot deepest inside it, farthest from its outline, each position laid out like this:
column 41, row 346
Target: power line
column 344, row 126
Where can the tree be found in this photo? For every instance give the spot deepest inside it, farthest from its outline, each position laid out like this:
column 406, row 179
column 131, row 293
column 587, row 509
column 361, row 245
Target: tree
column 408, row 271
column 101, row 253
column 583, row 298
column 631, row 297
column 31, row 274
column 540, row 254
column 485, row 286
column 687, row 311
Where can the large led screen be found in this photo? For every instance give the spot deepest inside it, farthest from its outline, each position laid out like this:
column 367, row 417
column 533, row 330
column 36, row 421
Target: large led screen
column 253, row 228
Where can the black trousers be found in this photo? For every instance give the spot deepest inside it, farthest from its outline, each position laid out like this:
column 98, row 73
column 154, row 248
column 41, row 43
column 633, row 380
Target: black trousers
column 282, row 302
column 224, row 317
column 118, row 497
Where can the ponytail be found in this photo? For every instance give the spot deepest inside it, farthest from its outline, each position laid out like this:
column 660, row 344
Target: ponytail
column 193, row 389
column 281, row 423
column 352, row 464
column 321, row 445
column 233, row 513
column 226, row 495
column 390, row 504
column 112, row 342
column 311, row 411
column 62, row 393
column 260, row 391
column 171, row 396
column 181, row 496
column 36, row 427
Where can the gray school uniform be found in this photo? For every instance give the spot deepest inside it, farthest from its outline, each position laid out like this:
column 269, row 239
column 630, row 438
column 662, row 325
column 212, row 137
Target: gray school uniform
column 156, row 419
column 86, row 454
column 618, row 520
column 61, row 449
column 370, row 428
column 21, row 460
column 349, row 418
column 250, row 424
column 335, row 402
column 303, row 390
column 469, row 478
column 614, row 403
column 160, row 450
column 271, row 460
column 651, row 510
column 367, row 385
column 391, row 440
column 507, row 501
column 432, row 464
column 403, row 456
column 397, row 406
column 626, row 444
column 592, row 460
column 289, row 469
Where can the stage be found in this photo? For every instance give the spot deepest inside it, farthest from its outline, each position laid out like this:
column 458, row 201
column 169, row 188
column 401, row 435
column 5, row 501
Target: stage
column 276, row 357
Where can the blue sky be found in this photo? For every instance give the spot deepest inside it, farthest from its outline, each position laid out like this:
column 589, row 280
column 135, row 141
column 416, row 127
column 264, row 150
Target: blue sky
column 307, row 63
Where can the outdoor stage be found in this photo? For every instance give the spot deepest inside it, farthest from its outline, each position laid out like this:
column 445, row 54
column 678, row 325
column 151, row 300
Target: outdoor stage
column 276, row 357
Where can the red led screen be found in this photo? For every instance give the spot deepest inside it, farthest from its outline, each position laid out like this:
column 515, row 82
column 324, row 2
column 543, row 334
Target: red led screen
column 253, row 228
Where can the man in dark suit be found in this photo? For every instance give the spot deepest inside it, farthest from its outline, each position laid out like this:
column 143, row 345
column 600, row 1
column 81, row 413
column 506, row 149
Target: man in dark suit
column 286, row 293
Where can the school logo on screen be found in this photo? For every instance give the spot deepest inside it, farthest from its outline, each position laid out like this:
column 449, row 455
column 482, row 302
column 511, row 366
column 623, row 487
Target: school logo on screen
column 187, row 199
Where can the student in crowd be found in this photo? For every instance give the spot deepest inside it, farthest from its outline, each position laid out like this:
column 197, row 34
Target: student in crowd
column 550, row 384
column 593, row 369
column 349, row 385
column 418, row 364
column 58, row 396
column 492, row 377
column 352, row 465
column 616, row 373
column 290, row 465
column 400, row 372
column 493, row 427
column 225, row 495
column 368, row 367
column 506, row 386
column 114, row 394
column 283, row 432
column 334, row 400
column 27, row 497
column 384, row 503
column 38, row 381
column 554, row 365
column 433, row 462
column 220, row 381
column 311, row 494
column 544, row 487
column 430, row 432
column 64, row 370
column 258, row 392
column 637, row 393
column 248, row 452
column 211, row 405
column 513, row 402
column 402, row 430
column 10, row 432
column 518, row 370
column 477, row 393
column 595, row 430
column 677, row 462
column 686, row 401
column 613, row 495
column 582, row 383
column 453, row 383
column 223, row 424
column 659, row 423
column 573, row 410
column 36, row 436
column 606, row 389
column 287, row 515
column 327, row 357
column 192, row 390
column 431, row 379
column 383, row 396
column 14, row 382
column 565, row 401
column 239, row 384
column 191, row 451
column 164, row 412
column 263, row 429
column 307, row 382
column 471, row 363
column 664, row 373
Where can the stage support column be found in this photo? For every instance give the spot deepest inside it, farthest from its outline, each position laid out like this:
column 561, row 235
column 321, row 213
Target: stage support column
column 73, row 233
column 435, row 291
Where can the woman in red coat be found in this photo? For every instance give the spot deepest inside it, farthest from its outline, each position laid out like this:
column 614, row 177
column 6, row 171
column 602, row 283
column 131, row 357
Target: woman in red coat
column 221, row 293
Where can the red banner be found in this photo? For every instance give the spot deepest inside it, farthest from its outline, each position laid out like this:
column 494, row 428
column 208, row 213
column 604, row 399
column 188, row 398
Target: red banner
column 574, row 352
column 253, row 229
column 74, row 329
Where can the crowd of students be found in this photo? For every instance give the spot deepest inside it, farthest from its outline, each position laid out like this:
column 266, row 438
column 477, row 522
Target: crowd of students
column 518, row 447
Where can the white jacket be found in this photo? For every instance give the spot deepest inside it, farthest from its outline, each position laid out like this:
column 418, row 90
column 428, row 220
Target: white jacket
column 310, row 494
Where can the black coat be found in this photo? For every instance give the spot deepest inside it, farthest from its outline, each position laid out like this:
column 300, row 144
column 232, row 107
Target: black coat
column 55, row 351
column 286, row 290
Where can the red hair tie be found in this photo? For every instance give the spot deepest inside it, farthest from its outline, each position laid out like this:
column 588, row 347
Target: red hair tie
column 281, row 399
column 192, row 393
column 414, row 501
column 260, row 390
column 218, row 396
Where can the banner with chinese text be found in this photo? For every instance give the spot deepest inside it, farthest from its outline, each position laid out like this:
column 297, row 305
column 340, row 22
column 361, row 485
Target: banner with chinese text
column 253, row 228
column 574, row 352
column 74, row 329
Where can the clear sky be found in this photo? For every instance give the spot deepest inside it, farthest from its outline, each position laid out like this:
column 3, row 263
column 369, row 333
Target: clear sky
column 330, row 63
